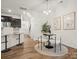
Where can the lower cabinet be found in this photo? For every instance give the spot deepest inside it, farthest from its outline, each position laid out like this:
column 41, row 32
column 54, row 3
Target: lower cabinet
column 12, row 40
column 2, row 46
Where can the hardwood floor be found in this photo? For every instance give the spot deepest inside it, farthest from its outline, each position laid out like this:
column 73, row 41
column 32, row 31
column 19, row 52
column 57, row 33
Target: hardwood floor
column 27, row 51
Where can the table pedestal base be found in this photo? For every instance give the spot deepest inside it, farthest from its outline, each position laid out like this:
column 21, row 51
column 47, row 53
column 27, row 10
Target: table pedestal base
column 20, row 44
column 49, row 47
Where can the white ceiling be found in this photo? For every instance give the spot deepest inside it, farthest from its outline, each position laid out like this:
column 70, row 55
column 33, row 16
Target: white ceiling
column 32, row 5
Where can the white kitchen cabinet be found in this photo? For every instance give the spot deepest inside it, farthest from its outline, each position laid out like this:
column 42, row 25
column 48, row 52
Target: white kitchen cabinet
column 12, row 37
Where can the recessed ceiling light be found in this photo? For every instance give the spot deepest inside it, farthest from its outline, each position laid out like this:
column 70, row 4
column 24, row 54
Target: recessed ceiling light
column 24, row 12
column 44, row 12
column 49, row 11
column 9, row 10
column 29, row 14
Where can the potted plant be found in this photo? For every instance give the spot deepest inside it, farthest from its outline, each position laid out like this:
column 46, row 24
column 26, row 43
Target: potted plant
column 45, row 28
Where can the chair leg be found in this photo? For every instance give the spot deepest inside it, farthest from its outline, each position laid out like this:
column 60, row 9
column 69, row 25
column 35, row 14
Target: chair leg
column 41, row 42
column 60, row 44
column 55, row 44
column 38, row 42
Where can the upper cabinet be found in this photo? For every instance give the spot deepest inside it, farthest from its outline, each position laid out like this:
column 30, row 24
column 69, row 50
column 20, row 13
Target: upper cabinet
column 8, row 21
column 16, row 23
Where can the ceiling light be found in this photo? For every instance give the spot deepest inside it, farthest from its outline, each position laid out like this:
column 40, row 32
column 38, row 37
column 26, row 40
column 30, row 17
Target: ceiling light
column 9, row 10
column 49, row 11
column 29, row 14
column 45, row 12
column 24, row 12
